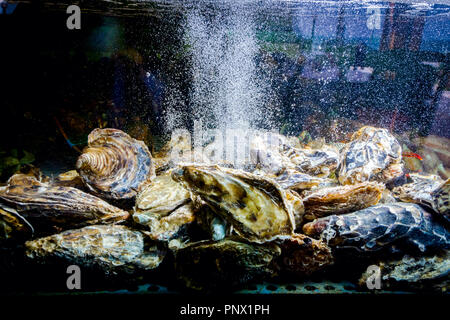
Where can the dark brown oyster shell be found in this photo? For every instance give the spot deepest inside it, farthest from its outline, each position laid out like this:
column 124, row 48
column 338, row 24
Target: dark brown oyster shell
column 342, row 199
column 45, row 205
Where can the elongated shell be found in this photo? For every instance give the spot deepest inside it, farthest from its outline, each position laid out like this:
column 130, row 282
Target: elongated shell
column 342, row 199
column 256, row 207
column 45, row 205
column 114, row 165
column 382, row 226
column 111, row 248
column 373, row 154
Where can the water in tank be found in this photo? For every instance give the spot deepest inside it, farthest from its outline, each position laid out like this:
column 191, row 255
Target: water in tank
column 246, row 146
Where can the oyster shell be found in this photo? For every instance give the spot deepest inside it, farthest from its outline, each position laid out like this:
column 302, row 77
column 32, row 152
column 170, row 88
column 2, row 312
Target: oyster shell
column 13, row 225
column 256, row 207
column 111, row 248
column 342, row 199
column 215, row 227
column 372, row 154
column 114, row 165
column 382, row 226
column 318, row 162
column 297, row 181
column 441, row 201
column 415, row 272
column 45, row 205
column 419, row 189
column 265, row 153
column 164, row 207
column 160, row 197
column 164, row 227
column 302, row 255
column 69, row 179
column 226, row 263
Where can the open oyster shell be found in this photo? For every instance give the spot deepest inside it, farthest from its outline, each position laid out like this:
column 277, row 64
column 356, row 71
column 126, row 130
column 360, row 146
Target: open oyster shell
column 114, row 165
column 256, row 207
column 227, row 263
column 111, row 248
column 342, row 199
column 372, row 154
column 45, row 205
column 402, row 224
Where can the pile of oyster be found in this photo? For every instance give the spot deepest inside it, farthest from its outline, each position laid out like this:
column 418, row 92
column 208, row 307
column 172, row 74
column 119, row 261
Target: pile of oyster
column 292, row 213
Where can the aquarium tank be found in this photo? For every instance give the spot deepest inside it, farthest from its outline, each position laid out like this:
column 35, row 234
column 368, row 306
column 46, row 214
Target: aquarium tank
column 251, row 147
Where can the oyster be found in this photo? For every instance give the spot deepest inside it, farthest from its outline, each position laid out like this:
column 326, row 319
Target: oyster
column 441, row 201
column 419, row 189
column 69, row 179
column 164, row 207
column 160, row 197
column 297, row 181
column 318, row 162
column 382, row 226
column 256, row 207
column 111, row 248
column 342, row 199
column 114, row 165
column 265, row 153
column 226, row 263
column 302, row 255
column 415, row 272
column 164, row 227
column 295, row 204
column 372, row 154
column 46, row 205
column 13, row 225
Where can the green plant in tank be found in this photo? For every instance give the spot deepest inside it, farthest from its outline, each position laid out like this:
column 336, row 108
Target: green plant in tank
column 12, row 161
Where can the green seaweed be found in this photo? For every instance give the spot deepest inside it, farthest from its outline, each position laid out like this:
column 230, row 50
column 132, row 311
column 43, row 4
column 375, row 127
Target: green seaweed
column 12, row 161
